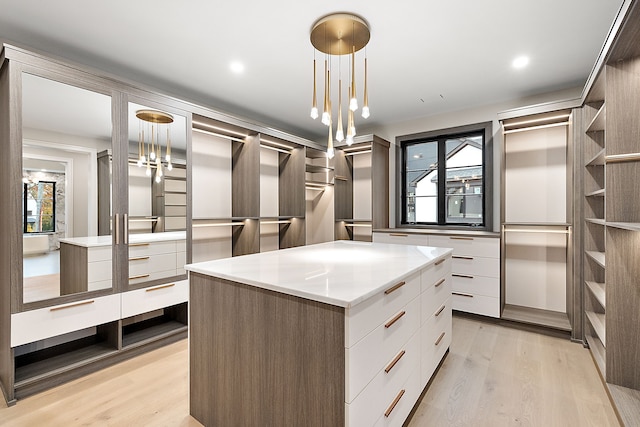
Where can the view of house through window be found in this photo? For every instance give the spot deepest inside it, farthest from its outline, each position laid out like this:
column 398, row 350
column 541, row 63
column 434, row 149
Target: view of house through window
column 443, row 180
column 39, row 206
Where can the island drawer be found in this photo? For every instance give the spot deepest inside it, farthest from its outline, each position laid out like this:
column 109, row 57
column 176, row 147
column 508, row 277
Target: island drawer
column 370, row 354
column 365, row 408
column 35, row 325
column 366, row 316
column 395, row 411
column 435, row 339
column 154, row 248
column 153, row 298
column 434, row 299
column 152, row 263
column 435, row 272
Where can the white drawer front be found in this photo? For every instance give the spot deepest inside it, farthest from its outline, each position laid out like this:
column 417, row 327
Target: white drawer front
column 365, row 408
column 476, row 266
column 472, row 246
column 99, row 253
column 435, row 298
column 151, row 264
column 476, row 285
column 402, row 238
column 99, row 271
column 153, row 298
column 477, row 304
column 181, row 260
column 155, row 248
column 436, row 338
column 134, row 279
column 175, row 185
column 35, row 325
column 366, row 316
column 435, row 273
column 401, row 404
column 368, row 356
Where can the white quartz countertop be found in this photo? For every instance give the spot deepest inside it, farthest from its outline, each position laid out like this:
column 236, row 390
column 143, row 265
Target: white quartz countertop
column 95, row 241
column 342, row 273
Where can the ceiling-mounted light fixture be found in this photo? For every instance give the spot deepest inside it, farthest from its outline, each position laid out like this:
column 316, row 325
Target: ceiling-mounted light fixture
column 336, row 35
column 155, row 124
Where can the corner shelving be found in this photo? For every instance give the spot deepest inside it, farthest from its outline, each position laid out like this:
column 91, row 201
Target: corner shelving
column 598, row 321
column 598, row 291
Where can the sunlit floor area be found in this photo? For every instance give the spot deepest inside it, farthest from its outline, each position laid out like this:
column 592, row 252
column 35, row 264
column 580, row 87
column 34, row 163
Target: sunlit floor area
column 41, row 276
column 492, row 376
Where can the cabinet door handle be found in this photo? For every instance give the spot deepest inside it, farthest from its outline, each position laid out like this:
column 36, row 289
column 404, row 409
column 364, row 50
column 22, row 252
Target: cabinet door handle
column 462, row 257
column 394, row 361
column 440, row 282
column 461, row 238
column 395, row 319
column 462, row 295
column 394, row 287
column 439, row 339
column 125, row 220
column 464, row 276
column 72, row 305
column 160, row 287
column 116, row 221
column 393, row 404
column 140, row 258
column 398, row 235
column 440, row 311
column 440, row 261
column 140, row 276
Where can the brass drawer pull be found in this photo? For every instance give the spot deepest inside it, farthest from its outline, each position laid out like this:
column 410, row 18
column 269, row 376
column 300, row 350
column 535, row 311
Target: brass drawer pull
column 464, row 276
column 341, row 178
column 440, row 282
column 440, row 261
column 394, row 361
column 138, row 244
column 140, row 276
column 395, row 319
column 393, row 404
column 462, row 295
column 398, row 235
column 72, row 305
column 440, row 311
column 160, row 287
column 394, row 287
column 461, row 238
column 462, row 257
column 140, row 258
column 439, row 338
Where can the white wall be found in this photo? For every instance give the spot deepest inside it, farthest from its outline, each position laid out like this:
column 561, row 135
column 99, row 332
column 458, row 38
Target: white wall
column 458, row 118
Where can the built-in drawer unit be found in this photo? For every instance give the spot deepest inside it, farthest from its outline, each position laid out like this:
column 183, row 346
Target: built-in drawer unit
column 34, row 325
column 153, row 298
column 475, row 267
column 84, row 268
column 396, row 410
column 156, row 260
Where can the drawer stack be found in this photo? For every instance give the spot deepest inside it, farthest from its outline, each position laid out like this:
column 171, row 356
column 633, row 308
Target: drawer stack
column 475, row 269
column 387, row 362
column 156, row 260
column 475, row 273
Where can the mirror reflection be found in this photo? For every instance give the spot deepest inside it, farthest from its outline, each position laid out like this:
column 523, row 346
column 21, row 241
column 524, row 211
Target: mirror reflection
column 63, row 127
column 157, row 194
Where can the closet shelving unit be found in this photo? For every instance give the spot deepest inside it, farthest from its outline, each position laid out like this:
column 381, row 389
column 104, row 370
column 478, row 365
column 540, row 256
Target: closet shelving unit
column 611, row 211
column 361, row 188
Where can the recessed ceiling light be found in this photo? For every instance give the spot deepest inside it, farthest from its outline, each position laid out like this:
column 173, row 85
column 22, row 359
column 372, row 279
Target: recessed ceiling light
column 237, row 67
column 520, row 62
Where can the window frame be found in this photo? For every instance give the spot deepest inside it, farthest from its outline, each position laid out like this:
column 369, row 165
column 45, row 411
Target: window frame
column 24, row 208
column 486, row 129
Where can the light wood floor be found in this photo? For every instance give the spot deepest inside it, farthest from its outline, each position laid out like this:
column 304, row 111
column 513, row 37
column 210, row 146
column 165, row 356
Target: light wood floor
column 493, row 376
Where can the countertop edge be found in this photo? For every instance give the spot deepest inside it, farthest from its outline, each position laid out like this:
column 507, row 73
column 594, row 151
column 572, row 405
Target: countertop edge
column 470, row 233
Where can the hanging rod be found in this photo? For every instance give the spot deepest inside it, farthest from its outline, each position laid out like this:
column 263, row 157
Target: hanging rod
column 217, row 224
column 219, row 135
column 620, row 158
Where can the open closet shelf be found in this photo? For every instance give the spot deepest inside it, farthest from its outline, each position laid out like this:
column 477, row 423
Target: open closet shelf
column 598, row 122
column 598, row 291
column 597, row 257
column 597, row 321
column 597, row 160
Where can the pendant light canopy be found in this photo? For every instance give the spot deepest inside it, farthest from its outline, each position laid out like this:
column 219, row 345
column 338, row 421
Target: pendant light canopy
column 340, row 34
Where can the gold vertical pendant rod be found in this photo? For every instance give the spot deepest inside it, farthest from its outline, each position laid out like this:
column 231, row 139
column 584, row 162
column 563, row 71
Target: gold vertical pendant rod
column 314, row 103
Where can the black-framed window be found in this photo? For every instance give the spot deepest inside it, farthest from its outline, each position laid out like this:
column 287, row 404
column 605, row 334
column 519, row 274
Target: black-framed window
column 445, row 177
column 39, row 207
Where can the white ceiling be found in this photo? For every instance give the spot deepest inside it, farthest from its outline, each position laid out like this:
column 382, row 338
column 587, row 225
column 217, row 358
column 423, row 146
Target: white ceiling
column 425, row 56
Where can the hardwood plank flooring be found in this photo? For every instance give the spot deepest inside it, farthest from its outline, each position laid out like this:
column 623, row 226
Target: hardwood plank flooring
column 492, row 376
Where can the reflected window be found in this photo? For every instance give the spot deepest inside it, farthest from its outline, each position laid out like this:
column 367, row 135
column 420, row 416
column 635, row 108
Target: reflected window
column 39, row 206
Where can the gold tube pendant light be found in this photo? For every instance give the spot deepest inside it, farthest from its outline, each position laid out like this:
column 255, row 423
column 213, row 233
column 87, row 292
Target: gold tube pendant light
column 365, row 106
column 341, row 34
column 314, row 104
column 156, row 120
column 339, row 130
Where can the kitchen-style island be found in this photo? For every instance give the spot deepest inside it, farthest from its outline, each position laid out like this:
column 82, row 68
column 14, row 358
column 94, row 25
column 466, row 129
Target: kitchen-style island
column 336, row 334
